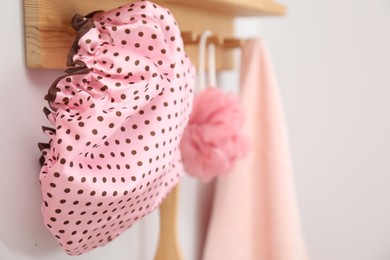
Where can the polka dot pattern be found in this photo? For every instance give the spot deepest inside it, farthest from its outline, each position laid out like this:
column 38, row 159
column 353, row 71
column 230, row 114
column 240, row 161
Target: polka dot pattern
column 118, row 118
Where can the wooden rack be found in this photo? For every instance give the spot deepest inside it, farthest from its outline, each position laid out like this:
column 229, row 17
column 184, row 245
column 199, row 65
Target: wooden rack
column 49, row 34
column 191, row 38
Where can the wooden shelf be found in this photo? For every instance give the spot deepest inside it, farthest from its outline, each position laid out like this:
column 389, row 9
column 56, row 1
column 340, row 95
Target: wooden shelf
column 236, row 7
column 49, row 34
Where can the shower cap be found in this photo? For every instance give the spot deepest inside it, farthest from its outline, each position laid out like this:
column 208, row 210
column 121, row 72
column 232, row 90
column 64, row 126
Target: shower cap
column 118, row 117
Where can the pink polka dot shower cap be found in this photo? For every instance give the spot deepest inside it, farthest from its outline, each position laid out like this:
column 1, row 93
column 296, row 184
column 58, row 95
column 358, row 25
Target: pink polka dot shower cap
column 118, row 118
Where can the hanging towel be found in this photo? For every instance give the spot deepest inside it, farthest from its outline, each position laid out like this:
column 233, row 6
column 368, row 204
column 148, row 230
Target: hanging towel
column 255, row 213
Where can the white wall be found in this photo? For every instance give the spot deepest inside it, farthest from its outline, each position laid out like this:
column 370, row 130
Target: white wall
column 333, row 63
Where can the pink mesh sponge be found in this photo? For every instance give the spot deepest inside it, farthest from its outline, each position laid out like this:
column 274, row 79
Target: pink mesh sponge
column 118, row 118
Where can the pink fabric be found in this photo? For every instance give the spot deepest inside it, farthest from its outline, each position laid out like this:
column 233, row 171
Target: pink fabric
column 118, row 118
column 212, row 140
column 254, row 215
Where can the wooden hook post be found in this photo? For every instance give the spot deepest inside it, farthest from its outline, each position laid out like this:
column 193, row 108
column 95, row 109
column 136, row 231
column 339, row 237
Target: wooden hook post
column 168, row 245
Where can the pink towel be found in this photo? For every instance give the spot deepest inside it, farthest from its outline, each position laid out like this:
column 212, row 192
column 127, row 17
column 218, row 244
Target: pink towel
column 255, row 214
